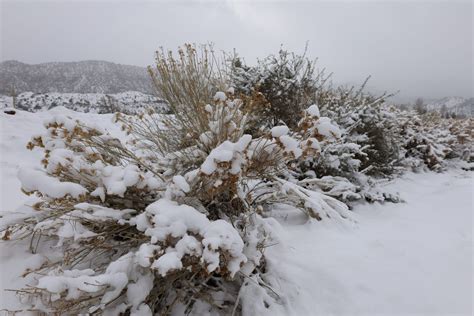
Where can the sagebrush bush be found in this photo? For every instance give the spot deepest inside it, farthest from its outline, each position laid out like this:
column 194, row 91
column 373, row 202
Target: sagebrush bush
column 287, row 81
column 172, row 217
column 429, row 140
column 368, row 122
column 374, row 140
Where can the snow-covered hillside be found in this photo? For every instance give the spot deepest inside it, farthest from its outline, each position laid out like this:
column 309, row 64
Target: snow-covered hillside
column 413, row 258
column 129, row 102
column 456, row 105
column 91, row 76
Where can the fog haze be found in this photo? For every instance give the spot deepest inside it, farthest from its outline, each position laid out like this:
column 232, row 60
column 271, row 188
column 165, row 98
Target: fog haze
column 420, row 48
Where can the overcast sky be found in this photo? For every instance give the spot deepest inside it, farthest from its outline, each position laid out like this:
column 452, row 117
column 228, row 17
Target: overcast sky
column 422, row 48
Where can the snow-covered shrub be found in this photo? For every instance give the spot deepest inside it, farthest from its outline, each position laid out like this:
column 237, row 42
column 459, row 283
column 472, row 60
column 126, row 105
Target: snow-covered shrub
column 168, row 218
column 367, row 126
column 334, row 159
column 188, row 81
column 287, row 81
column 429, row 140
column 461, row 144
column 368, row 122
column 425, row 147
column 335, row 170
column 290, row 83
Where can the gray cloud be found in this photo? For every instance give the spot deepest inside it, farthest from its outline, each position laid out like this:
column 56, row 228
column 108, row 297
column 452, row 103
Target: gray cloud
column 421, row 48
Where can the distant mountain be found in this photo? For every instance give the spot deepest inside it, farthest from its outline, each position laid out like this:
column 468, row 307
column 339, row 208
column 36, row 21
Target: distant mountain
column 130, row 102
column 73, row 77
column 453, row 105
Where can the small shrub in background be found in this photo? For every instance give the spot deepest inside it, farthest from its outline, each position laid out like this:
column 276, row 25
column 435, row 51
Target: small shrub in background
column 430, row 140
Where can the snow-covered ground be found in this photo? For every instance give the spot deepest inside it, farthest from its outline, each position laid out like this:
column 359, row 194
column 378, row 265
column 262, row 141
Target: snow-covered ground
column 130, row 101
column 413, row 258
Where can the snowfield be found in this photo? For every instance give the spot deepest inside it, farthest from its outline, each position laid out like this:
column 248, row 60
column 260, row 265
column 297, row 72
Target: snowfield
column 412, row 258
